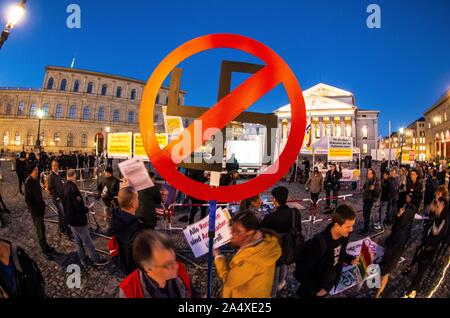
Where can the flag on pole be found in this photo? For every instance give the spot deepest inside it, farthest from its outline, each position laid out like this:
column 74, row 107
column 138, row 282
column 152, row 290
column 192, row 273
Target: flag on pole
column 309, row 132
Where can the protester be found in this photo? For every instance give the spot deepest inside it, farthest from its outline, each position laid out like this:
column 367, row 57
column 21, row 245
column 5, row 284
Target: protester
column 76, row 216
column 384, row 167
column 55, row 189
column 319, row 265
column 307, row 167
column 393, row 196
column 125, row 226
column 148, row 200
column 435, row 233
column 331, row 184
column 250, row 272
column 21, row 166
column 20, row 276
column 396, row 242
column 414, row 189
column 229, row 179
column 252, row 204
column 430, row 188
column 371, row 191
column 384, row 200
column 108, row 190
column 315, row 185
column 403, row 180
column 159, row 275
column 281, row 221
column 36, row 207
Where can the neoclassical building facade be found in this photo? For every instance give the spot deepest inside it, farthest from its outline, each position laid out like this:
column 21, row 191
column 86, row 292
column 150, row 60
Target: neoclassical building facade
column 333, row 112
column 437, row 124
column 79, row 108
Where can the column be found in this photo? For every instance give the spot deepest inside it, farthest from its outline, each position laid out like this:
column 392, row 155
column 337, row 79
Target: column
column 333, row 128
column 342, row 126
column 321, row 127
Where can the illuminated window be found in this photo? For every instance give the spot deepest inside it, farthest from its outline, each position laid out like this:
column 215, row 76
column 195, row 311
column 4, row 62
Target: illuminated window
column 30, row 139
column 6, row 138
column 364, row 132
column 70, row 140
column 364, row 148
column 83, row 141
column 56, row 139
column 21, row 109
column 17, row 139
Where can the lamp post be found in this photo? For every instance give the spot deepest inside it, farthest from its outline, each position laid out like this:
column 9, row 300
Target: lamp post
column 402, row 133
column 40, row 115
column 15, row 14
column 108, row 130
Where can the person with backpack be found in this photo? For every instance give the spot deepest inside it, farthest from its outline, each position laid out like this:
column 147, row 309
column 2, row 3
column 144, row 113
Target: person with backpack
column 20, row 276
column 250, row 272
column 319, row 261
column 287, row 223
column 158, row 275
column 125, row 227
column 396, row 243
column 371, row 191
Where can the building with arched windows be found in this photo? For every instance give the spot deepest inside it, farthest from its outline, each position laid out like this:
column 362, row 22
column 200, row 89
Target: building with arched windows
column 78, row 106
column 437, row 124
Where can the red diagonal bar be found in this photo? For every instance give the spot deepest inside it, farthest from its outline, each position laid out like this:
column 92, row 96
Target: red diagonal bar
column 231, row 106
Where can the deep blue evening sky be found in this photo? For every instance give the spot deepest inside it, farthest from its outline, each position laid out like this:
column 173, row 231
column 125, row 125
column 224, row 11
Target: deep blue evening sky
column 400, row 69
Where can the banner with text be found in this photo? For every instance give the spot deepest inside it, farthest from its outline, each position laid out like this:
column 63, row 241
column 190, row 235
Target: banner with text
column 120, row 145
column 197, row 234
column 340, row 149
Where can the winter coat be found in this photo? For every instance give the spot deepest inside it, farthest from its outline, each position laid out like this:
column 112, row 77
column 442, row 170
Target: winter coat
column 251, row 271
column 315, row 183
column 75, row 210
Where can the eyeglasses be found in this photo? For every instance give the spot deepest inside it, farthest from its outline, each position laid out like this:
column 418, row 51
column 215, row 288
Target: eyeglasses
column 168, row 266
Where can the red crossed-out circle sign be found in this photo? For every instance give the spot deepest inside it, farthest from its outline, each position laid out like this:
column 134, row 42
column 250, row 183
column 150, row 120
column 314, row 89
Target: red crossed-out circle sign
column 275, row 72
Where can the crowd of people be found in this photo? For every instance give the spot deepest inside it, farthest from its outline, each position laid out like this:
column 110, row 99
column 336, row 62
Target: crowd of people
column 266, row 244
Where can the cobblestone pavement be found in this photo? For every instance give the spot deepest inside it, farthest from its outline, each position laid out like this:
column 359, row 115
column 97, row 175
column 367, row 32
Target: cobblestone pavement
column 103, row 282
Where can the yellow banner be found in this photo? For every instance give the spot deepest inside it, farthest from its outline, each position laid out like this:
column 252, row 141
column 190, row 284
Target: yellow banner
column 119, row 145
column 339, row 154
column 173, row 125
column 162, row 140
column 139, row 151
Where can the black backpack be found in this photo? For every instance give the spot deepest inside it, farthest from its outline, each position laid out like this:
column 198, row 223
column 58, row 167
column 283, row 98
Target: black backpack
column 290, row 243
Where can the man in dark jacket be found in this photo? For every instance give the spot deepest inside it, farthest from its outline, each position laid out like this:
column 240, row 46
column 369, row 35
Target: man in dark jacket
column 125, row 227
column 371, row 191
column 148, row 199
column 55, row 189
column 21, row 166
column 414, row 189
column 282, row 220
column 76, row 216
column 331, row 184
column 36, row 207
column 108, row 190
column 393, row 196
column 319, row 266
column 430, row 187
column 396, row 242
column 20, row 276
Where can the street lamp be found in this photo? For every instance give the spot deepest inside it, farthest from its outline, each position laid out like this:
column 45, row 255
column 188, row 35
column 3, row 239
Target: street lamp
column 40, row 115
column 402, row 133
column 108, row 130
column 15, row 14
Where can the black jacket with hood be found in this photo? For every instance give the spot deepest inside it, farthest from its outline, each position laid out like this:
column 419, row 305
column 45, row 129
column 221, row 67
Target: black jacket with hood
column 125, row 227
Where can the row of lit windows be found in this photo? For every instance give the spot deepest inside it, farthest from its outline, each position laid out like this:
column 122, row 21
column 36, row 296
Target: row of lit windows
column 30, row 141
column 86, row 114
column 89, row 89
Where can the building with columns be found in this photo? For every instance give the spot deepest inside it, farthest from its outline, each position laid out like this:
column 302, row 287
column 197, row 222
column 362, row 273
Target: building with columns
column 333, row 112
column 437, row 124
column 79, row 107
